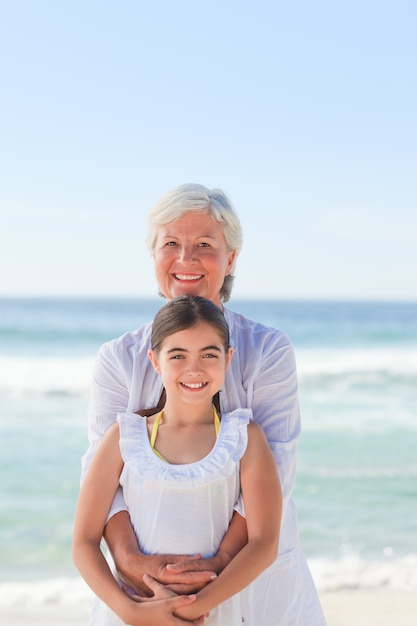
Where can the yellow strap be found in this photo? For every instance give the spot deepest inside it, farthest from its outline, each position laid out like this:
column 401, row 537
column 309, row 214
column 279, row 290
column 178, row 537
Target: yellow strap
column 154, row 432
column 216, row 421
column 158, row 420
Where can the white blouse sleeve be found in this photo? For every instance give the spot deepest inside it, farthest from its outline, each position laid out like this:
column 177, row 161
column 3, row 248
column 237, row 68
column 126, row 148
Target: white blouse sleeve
column 275, row 406
column 108, row 396
column 263, row 376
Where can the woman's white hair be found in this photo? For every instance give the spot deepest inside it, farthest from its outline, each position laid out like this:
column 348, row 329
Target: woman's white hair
column 197, row 198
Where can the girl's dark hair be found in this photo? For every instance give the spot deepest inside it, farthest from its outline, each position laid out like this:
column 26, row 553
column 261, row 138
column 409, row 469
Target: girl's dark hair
column 184, row 312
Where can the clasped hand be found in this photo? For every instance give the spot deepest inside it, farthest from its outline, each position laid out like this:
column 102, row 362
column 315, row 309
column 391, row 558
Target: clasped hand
column 180, row 574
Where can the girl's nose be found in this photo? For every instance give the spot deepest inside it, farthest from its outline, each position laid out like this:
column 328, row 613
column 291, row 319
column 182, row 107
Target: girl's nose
column 194, row 367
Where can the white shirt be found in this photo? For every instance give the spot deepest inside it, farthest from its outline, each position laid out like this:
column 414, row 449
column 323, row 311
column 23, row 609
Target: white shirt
column 262, row 376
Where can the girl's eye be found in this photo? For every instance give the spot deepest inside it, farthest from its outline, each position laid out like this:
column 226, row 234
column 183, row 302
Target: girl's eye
column 210, row 355
column 177, row 356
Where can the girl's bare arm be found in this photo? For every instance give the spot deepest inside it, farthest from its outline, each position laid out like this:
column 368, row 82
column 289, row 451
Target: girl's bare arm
column 94, row 501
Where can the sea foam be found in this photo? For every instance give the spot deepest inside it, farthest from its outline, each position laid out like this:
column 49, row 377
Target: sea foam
column 352, row 572
column 36, row 593
column 22, row 376
column 71, row 375
column 348, row 573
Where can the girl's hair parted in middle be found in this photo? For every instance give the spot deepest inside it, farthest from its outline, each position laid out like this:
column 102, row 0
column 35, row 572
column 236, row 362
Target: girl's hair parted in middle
column 184, row 312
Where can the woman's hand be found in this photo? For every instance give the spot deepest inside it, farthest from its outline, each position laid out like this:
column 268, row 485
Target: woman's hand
column 190, row 575
column 187, row 569
column 181, row 573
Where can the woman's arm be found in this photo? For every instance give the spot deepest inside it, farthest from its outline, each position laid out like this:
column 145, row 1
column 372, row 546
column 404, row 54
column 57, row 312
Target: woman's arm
column 182, row 574
column 95, row 498
column 263, row 506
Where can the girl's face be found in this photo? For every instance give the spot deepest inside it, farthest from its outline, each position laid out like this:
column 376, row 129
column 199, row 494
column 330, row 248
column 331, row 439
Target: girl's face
column 192, row 363
column 191, row 257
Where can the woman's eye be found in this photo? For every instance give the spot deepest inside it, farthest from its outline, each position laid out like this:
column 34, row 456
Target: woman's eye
column 171, row 243
column 204, row 244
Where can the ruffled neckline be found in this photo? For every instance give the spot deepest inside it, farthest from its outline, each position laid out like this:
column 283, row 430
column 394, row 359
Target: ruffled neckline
column 229, row 447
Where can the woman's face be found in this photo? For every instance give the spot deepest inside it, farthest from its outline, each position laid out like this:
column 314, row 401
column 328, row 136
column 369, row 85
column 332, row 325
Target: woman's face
column 191, row 257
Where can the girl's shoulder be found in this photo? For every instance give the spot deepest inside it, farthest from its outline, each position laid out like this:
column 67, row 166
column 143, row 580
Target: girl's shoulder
column 255, row 431
column 112, row 433
column 257, row 448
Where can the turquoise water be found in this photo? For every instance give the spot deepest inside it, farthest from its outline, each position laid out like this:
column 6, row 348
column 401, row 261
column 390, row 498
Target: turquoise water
column 356, row 492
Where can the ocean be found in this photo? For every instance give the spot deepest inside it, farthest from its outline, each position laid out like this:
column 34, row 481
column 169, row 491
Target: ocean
column 356, row 492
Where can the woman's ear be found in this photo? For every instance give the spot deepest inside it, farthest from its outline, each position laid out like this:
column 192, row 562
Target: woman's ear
column 230, row 260
column 153, row 360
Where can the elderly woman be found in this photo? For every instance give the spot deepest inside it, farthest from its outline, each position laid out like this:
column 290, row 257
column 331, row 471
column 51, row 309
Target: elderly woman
column 194, row 236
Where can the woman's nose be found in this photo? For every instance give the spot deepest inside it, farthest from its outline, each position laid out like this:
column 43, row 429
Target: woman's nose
column 187, row 254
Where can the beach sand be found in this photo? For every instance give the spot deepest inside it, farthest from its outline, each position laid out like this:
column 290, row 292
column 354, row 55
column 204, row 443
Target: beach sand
column 370, row 608
column 342, row 608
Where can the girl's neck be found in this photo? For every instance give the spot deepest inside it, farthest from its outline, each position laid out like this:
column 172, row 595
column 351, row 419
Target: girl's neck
column 182, row 414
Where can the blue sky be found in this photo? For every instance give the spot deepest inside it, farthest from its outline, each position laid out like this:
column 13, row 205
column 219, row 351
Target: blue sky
column 305, row 113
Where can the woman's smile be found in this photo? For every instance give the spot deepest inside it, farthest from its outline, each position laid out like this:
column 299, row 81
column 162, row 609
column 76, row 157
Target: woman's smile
column 188, row 276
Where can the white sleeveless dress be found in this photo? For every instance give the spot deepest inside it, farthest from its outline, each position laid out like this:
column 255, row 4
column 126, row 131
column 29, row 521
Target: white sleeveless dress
column 182, row 509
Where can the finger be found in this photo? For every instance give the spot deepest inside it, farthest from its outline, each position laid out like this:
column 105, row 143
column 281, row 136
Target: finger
column 190, row 577
column 182, row 558
column 159, row 590
column 192, row 557
column 180, row 601
column 197, row 566
column 193, row 567
column 151, row 582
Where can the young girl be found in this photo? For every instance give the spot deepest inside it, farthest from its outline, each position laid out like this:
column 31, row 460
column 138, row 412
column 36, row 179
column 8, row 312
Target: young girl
column 182, row 472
